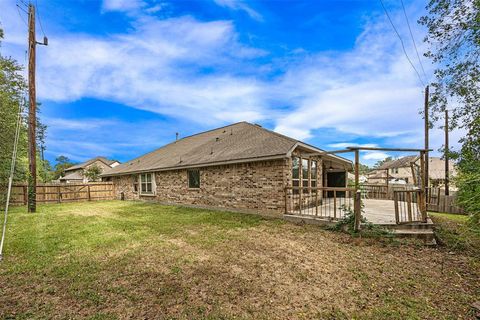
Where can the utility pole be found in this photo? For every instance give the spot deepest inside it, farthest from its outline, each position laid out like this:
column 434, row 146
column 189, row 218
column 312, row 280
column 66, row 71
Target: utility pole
column 447, row 158
column 32, row 112
column 427, row 146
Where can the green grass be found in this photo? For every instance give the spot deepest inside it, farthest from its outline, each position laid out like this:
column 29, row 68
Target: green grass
column 456, row 233
column 114, row 259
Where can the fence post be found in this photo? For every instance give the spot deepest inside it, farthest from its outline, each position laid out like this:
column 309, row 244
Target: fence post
column 59, row 195
column 88, row 193
column 357, row 210
column 286, row 200
column 316, row 202
column 25, row 195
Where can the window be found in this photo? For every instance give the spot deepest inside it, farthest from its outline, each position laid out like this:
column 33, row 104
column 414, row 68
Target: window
column 305, row 168
column 394, row 170
column 146, row 183
column 193, row 179
column 295, row 173
column 313, row 173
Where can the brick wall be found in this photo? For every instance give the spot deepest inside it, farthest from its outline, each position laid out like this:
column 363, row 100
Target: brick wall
column 255, row 186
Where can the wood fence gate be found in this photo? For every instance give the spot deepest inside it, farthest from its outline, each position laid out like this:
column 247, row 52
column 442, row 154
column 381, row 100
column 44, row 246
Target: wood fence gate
column 409, row 206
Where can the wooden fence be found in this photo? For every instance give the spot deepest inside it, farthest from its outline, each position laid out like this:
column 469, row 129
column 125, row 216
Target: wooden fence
column 438, row 202
column 58, row 193
column 436, row 199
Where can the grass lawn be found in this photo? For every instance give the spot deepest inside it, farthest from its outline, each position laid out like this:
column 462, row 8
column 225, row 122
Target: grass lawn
column 110, row 260
column 456, row 234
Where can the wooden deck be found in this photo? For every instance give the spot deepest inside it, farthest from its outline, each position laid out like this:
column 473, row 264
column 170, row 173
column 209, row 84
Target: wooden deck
column 376, row 211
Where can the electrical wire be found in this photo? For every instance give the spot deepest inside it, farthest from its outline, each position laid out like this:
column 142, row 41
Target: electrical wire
column 18, row 10
column 401, row 41
column 413, row 40
column 10, row 179
column 39, row 18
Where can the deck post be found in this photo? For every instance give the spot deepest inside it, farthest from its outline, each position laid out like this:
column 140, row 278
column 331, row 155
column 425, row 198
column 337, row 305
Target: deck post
column 358, row 195
column 357, row 210
column 357, row 168
column 423, row 190
column 397, row 213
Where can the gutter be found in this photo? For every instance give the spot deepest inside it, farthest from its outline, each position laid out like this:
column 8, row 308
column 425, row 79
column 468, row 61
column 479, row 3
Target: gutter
column 199, row 165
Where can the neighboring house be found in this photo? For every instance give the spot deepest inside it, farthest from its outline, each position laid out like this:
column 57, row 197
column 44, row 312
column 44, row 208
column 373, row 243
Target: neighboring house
column 362, row 178
column 400, row 171
column 76, row 172
column 241, row 166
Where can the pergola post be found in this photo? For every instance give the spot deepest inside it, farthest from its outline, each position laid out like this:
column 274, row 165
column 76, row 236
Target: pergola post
column 357, row 199
column 423, row 191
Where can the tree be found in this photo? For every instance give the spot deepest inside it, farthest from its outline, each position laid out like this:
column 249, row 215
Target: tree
column 12, row 87
column 379, row 163
column 454, row 41
column 364, row 169
column 62, row 163
column 93, row 173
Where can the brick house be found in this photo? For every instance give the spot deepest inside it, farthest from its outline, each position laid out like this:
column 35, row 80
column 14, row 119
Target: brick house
column 76, row 173
column 240, row 166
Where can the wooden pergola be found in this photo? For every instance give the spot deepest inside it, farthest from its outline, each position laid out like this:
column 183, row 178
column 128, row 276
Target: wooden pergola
column 356, row 150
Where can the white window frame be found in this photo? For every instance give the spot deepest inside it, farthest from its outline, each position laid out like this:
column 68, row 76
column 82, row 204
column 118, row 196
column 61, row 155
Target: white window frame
column 152, row 182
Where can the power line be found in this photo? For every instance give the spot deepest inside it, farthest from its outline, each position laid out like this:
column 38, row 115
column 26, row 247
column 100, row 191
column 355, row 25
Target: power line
column 20, row 15
column 401, row 41
column 413, row 40
column 39, row 18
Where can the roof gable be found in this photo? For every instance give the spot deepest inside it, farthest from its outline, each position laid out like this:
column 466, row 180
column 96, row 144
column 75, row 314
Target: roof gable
column 88, row 162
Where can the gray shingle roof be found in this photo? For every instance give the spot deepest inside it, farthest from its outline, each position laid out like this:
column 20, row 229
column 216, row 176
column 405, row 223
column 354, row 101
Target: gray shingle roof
column 76, row 175
column 238, row 142
column 86, row 163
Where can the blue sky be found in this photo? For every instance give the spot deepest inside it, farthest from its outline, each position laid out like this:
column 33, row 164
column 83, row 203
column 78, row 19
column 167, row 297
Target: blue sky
column 119, row 78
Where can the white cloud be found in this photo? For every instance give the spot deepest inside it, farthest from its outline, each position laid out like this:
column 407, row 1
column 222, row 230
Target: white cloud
column 157, row 67
column 376, row 155
column 122, row 5
column 343, row 145
column 200, row 72
column 240, row 5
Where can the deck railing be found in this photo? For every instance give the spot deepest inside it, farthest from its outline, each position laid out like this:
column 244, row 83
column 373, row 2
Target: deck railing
column 322, row 202
column 409, row 206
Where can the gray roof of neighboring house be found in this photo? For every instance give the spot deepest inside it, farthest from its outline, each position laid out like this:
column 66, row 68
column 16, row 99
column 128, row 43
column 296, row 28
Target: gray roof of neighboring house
column 399, row 163
column 238, row 142
column 76, row 175
column 88, row 162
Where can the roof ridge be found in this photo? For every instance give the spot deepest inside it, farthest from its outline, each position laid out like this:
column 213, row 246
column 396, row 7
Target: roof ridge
column 173, row 142
column 271, row 131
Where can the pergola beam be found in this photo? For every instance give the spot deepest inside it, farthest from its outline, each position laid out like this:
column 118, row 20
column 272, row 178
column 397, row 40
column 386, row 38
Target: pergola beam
column 387, row 149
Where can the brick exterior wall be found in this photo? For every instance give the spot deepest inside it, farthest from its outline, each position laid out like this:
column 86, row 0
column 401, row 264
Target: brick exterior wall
column 254, row 187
